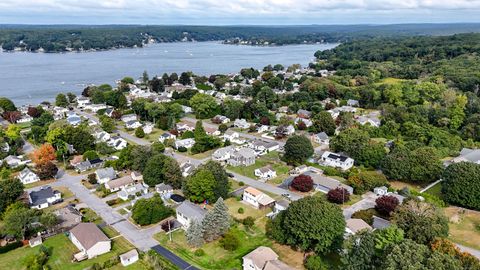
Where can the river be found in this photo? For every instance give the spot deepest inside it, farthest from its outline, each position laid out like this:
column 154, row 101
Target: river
column 30, row 78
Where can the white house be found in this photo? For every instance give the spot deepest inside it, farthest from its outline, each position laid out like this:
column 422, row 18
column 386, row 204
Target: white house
column 90, row 240
column 336, row 160
column 129, row 117
column 73, row 119
column 262, row 146
column 105, row 174
column 148, row 128
column 187, row 212
column 25, row 119
column 187, row 109
column 117, row 142
column 129, row 257
column 241, row 123
column 166, row 136
column 185, row 126
column 44, row 197
column 221, row 119
column 96, row 107
column 321, row 138
column 242, row 157
column 256, row 198
column 164, row 190
column 355, row 225
column 187, row 143
column 265, row 173
column 132, row 124
column 15, row 161
column 263, row 258
column 223, row 154
column 307, row 122
column 353, row 103
column 26, row 176
column 117, row 184
column 233, row 137
column 131, row 191
column 102, row 136
column 82, row 101
column 380, row 191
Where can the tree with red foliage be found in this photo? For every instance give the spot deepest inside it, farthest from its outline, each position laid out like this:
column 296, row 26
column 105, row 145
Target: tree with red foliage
column 301, row 125
column 45, row 153
column 12, row 116
column 46, row 170
column 116, row 114
column 168, row 225
column 34, row 112
column 338, row 195
column 386, row 204
column 303, row 183
column 265, row 120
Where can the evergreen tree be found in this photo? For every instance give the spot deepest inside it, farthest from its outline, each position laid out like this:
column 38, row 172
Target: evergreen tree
column 194, row 234
column 199, row 131
column 216, row 222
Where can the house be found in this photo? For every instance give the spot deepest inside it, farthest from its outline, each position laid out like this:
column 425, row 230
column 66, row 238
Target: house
column 187, row 143
column 241, row 123
column 372, row 120
column 242, row 157
column 164, row 190
column 212, row 131
column 90, row 240
column 89, row 164
column 223, row 154
column 109, row 112
column 299, row 170
column 129, row 117
column 148, row 128
column 256, row 198
column 233, row 137
column 263, row 258
column 187, row 109
column 96, row 107
column 355, row 225
column 380, row 191
column 336, row 111
column 187, row 168
column 281, row 205
column 262, row 147
column 265, row 173
column 25, row 119
column 132, row 124
column 321, row 138
column 468, row 155
column 262, row 128
column 130, row 191
column 73, row 119
column 353, row 103
column 220, row 119
column 304, row 114
column 284, row 131
column 82, row 101
column 26, row 176
column 129, row 257
column 336, row 160
column 137, row 176
column 185, row 126
column 166, row 136
column 35, row 241
column 68, row 217
column 117, row 142
column 380, row 223
column 76, row 160
column 307, row 122
column 102, row 136
column 105, row 174
column 44, row 197
column 321, row 182
column 188, row 212
column 117, row 184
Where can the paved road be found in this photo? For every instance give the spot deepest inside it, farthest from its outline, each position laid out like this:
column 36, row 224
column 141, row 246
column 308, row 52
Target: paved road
column 368, row 201
column 474, row 252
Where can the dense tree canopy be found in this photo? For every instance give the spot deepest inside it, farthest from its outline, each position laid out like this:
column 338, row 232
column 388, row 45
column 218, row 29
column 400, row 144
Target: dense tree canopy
column 461, row 184
column 297, row 149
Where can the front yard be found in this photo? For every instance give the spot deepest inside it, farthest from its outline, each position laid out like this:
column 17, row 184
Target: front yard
column 464, row 226
column 62, row 252
column 271, row 159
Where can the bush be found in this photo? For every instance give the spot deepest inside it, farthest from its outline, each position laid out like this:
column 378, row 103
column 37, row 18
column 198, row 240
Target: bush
column 367, row 180
column 230, row 241
column 90, row 155
column 92, row 178
column 167, row 225
column 139, row 133
column 385, row 205
column 9, row 247
column 149, row 211
column 338, row 195
column 366, row 215
column 112, row 202
column 241, row 210
column 182, row 149
column 248, row 222
column 241, row 183
column 430, row 198
column 302, row 183
column 461, row 184
column 199, row 252
column 314, row 262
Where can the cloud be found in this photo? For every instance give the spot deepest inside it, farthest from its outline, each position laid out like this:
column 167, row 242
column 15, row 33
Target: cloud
column 178, row 11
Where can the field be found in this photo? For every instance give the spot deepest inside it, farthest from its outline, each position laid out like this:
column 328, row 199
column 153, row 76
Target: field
column 464, row 226
column 62, row 251
column 271, row 159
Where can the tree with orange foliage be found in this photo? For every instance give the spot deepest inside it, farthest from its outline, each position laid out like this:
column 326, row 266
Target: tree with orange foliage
column 45, row 153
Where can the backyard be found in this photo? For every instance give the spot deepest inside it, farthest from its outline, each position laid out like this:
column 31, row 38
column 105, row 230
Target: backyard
column 464, row 226
column 271, row 159
column 62, row 250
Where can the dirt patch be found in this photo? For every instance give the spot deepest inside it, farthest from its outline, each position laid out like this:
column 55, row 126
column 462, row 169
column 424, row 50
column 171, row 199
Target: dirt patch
column 464, row 226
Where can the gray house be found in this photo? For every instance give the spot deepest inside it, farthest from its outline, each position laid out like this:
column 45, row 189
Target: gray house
column 187, row 212
column 242, row 157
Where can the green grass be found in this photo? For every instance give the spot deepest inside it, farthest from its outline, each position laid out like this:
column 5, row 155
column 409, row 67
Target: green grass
column 271, row 159
column 62, row 252
column 39, row 183
column 109, row 231
column 90, row 216
column 436, row 190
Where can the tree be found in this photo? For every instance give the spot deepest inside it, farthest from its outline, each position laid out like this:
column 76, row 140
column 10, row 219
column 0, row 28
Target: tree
column 71, row 97
column 80, row 138
column 445, row 246
column 10, row 191
column 310, row 224
column 297, row 149
column 386, row 204
column 13, row 132
column 421, row 221
column 222, row 185
column 46, row 170
column 157, row 85
column 107, row 123
column 216, row 222
column 232, row 108
column 145, row 77
column 222, row 128
column 420, row 165
column 230, row 241
column 324, row 122
column 406, row 255
column 302, row 183
column 359, row 252
column 7, row 105
column 44, row 120
column 366, row 180
column 461, row 184
column 185, row 78
column 200, row 186
column 150, row 211
column 61, row 100
column 315, row 262
column 34, row 112
column 139, row 133
column 45, row 153
column 199, row 131
column 338, row 195
column 18, row 219
column 194, row 234
column 90, row 155
column 205, row 106
column 162, row 169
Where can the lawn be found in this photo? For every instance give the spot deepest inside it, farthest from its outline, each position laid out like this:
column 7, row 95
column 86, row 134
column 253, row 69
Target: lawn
column 39, row 183
column 233, row 206
column 66, row 193
column 464, row 226
column 436, row 190
column 62, row 251
column 90, row 216
column 271, row 159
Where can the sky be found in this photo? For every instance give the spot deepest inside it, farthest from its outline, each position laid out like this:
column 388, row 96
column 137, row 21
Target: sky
column 237, row 12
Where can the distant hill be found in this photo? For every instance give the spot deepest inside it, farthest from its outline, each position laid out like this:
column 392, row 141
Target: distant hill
column 60, row 38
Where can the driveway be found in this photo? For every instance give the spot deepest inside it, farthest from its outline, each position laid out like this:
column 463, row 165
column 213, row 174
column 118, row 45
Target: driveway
column 367, row 202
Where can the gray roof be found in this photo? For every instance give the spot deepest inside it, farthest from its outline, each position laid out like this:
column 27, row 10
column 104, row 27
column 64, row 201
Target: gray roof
column 245, row 152
column 163, row 187
column 24, row 172
column 108, row 172
column 88, row 234
column 191, row 210
column 266, row 144
column 380, row 223
column 322, row 136
column 40, row 196
column 472, row 155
